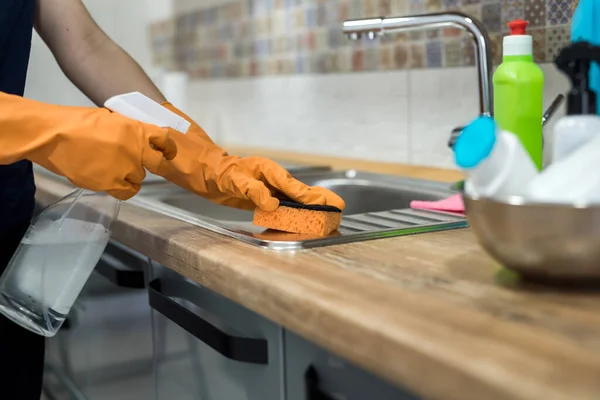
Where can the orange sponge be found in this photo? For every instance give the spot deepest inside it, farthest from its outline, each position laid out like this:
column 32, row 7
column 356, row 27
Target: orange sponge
column 299, row 218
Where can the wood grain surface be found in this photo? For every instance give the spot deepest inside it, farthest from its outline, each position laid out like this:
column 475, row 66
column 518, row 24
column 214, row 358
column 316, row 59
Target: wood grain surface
column 426, row 312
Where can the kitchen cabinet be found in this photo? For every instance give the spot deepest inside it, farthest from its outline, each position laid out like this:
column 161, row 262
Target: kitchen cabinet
column 207, row 347
column 104, row 349
column 312, row 373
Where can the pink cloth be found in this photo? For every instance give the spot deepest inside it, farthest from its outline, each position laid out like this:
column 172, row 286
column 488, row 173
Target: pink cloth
column 452, row 204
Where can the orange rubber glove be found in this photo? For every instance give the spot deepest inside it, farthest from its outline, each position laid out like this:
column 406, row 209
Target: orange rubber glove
column 92, row 147
column 246, row 183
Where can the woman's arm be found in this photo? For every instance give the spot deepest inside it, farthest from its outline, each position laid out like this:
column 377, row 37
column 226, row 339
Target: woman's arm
column 88, row 57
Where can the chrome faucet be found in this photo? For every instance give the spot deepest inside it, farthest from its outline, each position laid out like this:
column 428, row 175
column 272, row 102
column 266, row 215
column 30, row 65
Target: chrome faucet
column 374, row 27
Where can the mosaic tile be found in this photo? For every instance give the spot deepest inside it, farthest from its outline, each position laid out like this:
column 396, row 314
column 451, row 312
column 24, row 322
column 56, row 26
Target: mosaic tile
column 314, row 64
column 261, row 67
column 385, row 8
column 336, row 38
column 559, row 12
column 262, row 26
column 386, row 58
column 300, row 19
column 372, row 59
column 557, row 37
column 432, row 34
column 358, row 60
column 332, row 14
column 310, row 41
column 253, row 68
column 332, row 62
column 399, row 7
column 287, row 66
column 321, row 39
column 371, row 8
column 453, row 55
column 417, row 35
column 496, row 40
column 310, row 18
column 344, row 11
column 279, row 23
column 452, row 32
column 264, row 37
column 271, row 67
column 356, row 9
column 238, row 50
column 321, row 15
column 451, row 4
column 539, row 44
column 473, row 10
column 468, row 51
column 401, row 37
column 299, row 65
column 344, row 60
column 417, row 55
column 401, row 56
column 511, row 10
column 491, row 15
column 433, row 5
column 301, row 43
column 387, row 39
column 575, row 4
column 370, row 43
column 416, row 6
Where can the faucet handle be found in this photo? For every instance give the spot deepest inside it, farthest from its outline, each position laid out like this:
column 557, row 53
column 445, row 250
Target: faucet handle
column 454, row 135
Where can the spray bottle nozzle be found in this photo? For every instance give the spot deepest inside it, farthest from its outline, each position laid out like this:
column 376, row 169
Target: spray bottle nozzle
column 575, row 61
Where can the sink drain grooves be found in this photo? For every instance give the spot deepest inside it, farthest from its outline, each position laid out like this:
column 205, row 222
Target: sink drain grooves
column 350, row 231
column 349, row 222
column 388, row 216
column 381, row 222
column 422, row 215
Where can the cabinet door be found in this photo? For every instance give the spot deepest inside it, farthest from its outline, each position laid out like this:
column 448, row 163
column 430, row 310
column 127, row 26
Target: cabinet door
column 314, row 374
column 207, row 347
column 105, row 350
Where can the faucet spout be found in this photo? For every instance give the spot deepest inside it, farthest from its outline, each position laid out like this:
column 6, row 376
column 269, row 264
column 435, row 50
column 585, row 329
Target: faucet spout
column 381, row 26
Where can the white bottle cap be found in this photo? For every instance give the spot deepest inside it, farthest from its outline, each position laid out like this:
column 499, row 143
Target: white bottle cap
column 517, row 43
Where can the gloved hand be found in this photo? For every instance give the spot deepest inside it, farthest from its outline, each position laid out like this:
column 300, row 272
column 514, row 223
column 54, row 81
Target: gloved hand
column 92, row 147
column 246, row 183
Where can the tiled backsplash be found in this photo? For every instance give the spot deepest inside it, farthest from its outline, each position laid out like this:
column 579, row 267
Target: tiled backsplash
column 246, row 38
column 399, row 108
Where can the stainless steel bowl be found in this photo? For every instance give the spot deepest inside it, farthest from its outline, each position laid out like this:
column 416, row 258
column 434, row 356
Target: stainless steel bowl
column 555, row 242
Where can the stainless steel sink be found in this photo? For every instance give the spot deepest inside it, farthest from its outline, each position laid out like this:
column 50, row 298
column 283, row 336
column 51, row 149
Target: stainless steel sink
column 377, row 206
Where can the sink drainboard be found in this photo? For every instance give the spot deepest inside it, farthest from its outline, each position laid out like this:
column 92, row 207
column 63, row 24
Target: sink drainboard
column 377, row 206
column 407, row 219
column 354, row 228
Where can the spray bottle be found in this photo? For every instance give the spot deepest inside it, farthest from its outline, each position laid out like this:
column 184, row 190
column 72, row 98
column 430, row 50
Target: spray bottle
column 65, row 242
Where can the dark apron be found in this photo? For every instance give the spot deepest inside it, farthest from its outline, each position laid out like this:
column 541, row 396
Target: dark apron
column 17, row 189
column 21, row 352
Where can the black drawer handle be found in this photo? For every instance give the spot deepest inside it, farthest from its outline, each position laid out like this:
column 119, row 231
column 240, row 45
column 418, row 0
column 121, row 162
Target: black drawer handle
column 311, row 382
column 108, row 266
column 248, row 350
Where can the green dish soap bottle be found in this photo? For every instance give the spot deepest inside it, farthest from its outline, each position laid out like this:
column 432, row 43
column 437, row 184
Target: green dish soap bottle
column 518, row 91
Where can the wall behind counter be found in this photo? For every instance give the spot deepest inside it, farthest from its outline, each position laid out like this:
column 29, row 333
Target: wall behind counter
column 279, row 73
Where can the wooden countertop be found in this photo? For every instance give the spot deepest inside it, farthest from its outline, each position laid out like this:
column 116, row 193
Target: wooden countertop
column 425, row 312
